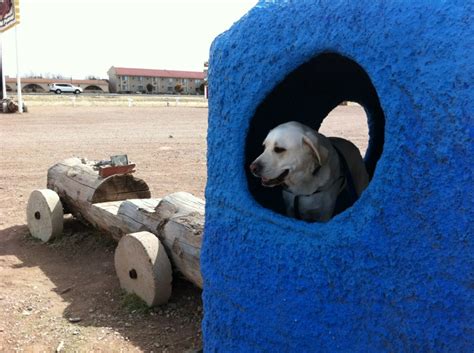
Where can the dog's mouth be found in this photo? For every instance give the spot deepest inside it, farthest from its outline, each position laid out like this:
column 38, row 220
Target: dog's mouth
column 275, row 181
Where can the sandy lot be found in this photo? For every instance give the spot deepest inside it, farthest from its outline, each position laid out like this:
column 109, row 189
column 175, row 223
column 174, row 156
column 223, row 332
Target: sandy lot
column 43, row 286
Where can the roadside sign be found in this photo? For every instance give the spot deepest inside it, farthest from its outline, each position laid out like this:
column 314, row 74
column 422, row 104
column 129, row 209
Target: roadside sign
column 9, row 14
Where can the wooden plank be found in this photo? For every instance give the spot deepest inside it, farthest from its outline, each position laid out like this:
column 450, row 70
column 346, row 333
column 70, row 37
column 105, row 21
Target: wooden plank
column 111, row 170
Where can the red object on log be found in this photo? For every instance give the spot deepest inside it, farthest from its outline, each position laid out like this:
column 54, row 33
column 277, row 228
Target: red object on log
column 104, row 172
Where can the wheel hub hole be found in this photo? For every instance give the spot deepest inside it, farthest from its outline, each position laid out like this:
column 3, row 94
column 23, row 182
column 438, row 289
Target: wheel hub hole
column 37, row 215
column 133, row 274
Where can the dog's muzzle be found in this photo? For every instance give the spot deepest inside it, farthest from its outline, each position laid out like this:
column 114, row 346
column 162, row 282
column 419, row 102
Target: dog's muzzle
column 275, row 181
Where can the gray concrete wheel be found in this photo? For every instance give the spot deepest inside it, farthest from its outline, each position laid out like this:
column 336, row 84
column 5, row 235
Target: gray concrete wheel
column 44, row 214
column 143, row 267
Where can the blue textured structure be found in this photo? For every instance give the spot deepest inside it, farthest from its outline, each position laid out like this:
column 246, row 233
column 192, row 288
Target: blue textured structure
column 394, row 273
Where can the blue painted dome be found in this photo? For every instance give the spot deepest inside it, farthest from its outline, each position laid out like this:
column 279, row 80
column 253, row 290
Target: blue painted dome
column 394, row 272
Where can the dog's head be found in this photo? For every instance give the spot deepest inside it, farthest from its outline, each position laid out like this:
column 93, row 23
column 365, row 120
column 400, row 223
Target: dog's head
column 292, row 151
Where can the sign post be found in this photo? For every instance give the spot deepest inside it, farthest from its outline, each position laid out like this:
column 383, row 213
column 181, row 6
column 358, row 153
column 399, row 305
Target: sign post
column 9, row 17
column 3, row 83
column 18, row 79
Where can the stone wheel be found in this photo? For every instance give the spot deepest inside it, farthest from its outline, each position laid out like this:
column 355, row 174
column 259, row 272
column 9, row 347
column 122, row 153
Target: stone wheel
column 44, row 214
column 143, row 267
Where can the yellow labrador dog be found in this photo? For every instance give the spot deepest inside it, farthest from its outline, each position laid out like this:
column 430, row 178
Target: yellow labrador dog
column 321, row 176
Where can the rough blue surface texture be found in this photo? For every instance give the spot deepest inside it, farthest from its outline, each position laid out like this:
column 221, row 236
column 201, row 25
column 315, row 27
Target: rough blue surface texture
column 395, row 272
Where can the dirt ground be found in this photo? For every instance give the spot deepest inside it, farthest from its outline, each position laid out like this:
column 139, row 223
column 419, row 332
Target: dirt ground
column 44, row 288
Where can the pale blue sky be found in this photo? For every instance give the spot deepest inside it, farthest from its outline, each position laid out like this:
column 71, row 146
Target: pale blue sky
column 77, row 38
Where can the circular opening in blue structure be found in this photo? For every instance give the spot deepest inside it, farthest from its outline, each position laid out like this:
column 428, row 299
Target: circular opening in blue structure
column 308, row 95
column 348, row 120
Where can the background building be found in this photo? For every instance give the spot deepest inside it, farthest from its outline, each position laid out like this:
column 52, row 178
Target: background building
column 40, row 85
column 130, row 80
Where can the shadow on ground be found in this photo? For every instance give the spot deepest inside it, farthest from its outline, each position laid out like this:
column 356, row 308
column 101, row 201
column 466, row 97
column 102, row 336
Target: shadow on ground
column 80, row 265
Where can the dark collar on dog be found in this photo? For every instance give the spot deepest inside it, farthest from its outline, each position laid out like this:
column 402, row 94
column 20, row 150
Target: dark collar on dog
column 296, row 199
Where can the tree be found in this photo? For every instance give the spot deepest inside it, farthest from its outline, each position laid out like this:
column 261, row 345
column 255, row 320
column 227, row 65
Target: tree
column 178, row 88
column 200, row 89
column 52, row 76
column 32, row 74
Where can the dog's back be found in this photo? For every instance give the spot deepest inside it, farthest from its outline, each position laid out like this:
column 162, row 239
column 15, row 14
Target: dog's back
column 354, row 161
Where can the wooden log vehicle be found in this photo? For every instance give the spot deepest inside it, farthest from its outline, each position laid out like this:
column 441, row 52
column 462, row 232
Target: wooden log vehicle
column 154, row 235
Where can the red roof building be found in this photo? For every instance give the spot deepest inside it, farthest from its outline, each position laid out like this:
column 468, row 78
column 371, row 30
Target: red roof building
column 131, row 80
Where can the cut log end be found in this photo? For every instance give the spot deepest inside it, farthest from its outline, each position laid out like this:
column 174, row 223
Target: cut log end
column 44, row 214
column 143, row 267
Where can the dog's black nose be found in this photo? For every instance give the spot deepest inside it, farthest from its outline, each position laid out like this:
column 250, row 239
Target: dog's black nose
column 255, row 168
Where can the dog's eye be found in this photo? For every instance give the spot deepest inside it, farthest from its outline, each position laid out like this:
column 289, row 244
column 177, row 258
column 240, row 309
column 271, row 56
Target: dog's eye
column 279, row 149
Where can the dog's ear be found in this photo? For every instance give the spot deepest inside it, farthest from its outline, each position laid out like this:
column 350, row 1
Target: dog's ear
column 319, row 151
